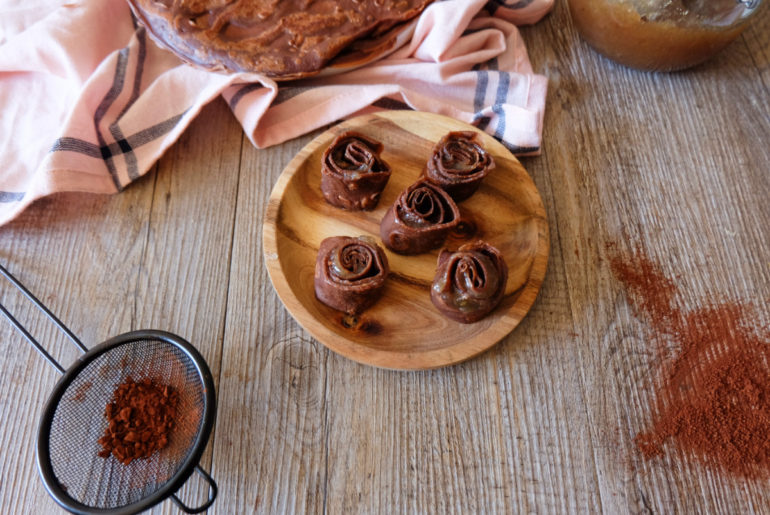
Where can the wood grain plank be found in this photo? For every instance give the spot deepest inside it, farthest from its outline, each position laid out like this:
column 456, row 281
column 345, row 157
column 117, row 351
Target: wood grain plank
column 64, row 250
column 489, row 435
column 484, row 436
column 757, row 40
column 270, row 438
column 185, row 267
column 686, row 188
column 544, row 422
column 131, row 261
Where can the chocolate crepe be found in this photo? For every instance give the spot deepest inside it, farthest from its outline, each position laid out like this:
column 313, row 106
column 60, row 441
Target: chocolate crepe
column 458, row 164
column 469, row 282
column 280, row 38
column 419, row 220
column 350, row 273
column 352, row 173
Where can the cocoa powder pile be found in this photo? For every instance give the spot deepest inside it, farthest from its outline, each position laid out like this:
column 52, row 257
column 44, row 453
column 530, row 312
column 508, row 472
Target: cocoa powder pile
column 713, row 394
column 140, row 417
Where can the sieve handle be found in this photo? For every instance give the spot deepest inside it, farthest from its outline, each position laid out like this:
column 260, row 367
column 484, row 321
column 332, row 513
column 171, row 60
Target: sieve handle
column 45, row 311
column 212, row 494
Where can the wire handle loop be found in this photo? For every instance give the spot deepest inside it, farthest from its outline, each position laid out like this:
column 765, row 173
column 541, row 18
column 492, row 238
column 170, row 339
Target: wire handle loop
column 63, row 328
column 212, row 494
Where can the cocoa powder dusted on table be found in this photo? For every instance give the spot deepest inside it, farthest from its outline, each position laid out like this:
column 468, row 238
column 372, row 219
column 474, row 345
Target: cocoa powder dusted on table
column 713, row 391
column 140, row 417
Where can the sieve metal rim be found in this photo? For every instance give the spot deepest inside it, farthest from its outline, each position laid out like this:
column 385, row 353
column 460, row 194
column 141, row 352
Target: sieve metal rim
column 44, row 465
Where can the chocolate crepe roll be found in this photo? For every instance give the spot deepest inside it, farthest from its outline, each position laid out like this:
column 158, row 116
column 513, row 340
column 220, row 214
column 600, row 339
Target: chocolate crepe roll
column 352, row 173
column 419, row 220
column 350, row 273
column 458, row 164
column 469, row 282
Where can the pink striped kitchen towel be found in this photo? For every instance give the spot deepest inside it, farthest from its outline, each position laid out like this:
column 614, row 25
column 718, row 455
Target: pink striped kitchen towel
column 89, row 103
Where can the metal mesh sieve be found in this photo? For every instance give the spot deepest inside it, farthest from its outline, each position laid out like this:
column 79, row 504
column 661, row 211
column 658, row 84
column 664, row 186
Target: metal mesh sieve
column 78, row 421
column 74, row 420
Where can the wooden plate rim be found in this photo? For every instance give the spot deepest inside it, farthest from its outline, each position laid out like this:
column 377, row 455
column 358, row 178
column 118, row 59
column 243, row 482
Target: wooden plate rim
column 395, row 360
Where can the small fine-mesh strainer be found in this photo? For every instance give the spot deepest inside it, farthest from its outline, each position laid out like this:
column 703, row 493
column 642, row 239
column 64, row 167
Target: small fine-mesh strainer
column 73, row 421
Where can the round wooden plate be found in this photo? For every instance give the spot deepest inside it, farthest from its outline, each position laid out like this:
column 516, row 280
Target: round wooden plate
column 403, row 330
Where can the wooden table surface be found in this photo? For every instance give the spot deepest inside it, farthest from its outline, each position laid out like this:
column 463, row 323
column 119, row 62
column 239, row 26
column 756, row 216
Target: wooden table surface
column 675, row 164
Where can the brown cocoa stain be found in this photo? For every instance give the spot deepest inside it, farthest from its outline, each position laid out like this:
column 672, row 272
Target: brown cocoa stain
column 81, row 391
column 359, row 325
column 713, row 390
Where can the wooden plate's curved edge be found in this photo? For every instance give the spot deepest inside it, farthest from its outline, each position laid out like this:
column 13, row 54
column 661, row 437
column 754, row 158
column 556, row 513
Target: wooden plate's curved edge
column 425, row 360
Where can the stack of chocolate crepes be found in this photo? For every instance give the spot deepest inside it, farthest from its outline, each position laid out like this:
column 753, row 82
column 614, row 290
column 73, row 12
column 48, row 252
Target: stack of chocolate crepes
column 90, row 102
column 285, row 39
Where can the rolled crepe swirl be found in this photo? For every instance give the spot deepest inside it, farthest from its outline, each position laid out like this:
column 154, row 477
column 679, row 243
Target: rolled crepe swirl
column 352, row 173
column 419, row 220
column 350, row 273
column 458, row 164
column 469, row 282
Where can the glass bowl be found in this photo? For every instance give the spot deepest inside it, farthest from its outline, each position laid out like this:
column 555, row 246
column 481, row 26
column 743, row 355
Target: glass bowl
column 662, row 35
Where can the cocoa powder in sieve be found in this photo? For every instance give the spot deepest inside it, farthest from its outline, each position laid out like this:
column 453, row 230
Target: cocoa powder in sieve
column 140, row 417
column 713, row 395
